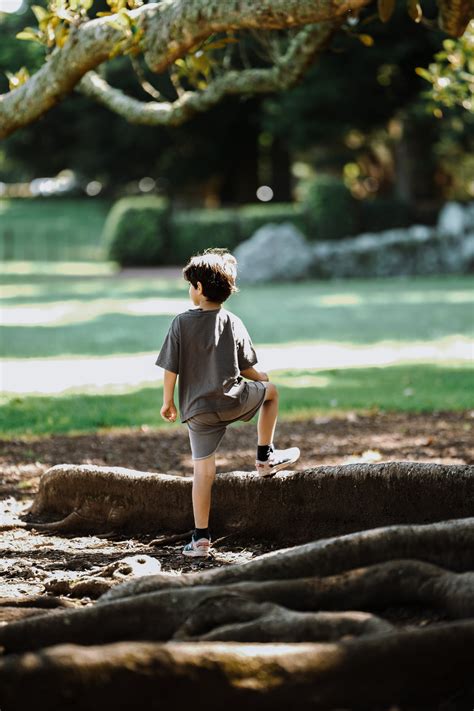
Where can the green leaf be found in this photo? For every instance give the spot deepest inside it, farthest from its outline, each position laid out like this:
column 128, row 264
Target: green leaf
column 29, row 34
column 366, row 40
column 40, row 12
column 423, row 73
column 385, row 8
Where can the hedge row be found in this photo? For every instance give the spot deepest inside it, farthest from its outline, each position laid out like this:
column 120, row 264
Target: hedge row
column 143, row 231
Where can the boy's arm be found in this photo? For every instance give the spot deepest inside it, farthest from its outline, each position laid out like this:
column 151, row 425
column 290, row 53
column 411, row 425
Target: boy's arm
column 252, row 374
column 168, row 411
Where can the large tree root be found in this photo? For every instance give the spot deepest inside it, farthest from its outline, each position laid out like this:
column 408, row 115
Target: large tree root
column 416, row 668
column 313, row 503
column 233, row 618
column 449, row 544
column 17, row 608
column 160, row 615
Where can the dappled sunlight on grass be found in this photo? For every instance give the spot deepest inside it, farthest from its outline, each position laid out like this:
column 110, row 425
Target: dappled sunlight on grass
column 410, row 297
column 300, row 380
column 36, row 268
column 421, row 388
column 75, row 311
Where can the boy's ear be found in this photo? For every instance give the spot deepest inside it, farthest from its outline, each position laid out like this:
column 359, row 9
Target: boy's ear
column 199, row 287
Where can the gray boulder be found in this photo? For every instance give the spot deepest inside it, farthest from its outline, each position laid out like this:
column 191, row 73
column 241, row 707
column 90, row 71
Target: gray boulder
column 402, row 252
column 274, row 252
column 453, row 219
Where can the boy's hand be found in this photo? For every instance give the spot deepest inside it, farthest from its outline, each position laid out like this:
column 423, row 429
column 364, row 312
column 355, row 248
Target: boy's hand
column 169, row 412
column 263, row 377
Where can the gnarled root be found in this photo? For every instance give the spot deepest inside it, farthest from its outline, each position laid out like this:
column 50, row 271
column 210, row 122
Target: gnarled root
column 417, row 668
column 159, row 615
column 449, row 544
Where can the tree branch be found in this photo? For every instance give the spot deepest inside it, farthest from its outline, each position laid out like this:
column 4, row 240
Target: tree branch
column 170, row 29
column 285, row 73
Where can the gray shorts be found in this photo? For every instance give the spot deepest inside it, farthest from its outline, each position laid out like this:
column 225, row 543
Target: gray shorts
column 208, row 428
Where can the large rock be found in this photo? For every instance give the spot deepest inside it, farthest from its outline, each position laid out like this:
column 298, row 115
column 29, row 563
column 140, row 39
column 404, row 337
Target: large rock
column 453, row 219
column 274, row 252
column 416, row 250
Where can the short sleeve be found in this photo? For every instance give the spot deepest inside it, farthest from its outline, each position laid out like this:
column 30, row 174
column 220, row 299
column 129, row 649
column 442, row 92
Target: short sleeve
column 245, row 351
column 168, row 357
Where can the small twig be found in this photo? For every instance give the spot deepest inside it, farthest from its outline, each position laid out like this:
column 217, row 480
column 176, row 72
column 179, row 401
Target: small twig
column 222, row 538
column 164, row 540
column 144, row 83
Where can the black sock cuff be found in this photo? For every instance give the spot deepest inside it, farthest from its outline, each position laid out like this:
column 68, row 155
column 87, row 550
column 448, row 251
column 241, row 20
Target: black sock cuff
column 201, row 533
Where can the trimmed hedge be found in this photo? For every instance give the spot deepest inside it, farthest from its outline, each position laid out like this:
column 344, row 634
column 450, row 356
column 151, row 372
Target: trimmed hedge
column 143, row 231
column 136, row 231
column 331, row 209
column 252, row 217
column 195, row 230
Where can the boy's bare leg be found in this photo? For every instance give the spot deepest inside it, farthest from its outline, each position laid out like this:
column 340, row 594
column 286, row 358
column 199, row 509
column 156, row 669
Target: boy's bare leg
column 268, row 414
column 204, row 475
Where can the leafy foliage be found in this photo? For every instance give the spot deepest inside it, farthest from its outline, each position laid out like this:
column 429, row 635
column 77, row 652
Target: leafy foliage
column 451, row 75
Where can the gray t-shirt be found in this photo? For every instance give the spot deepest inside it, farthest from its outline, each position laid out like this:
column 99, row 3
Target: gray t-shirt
column 207, row 349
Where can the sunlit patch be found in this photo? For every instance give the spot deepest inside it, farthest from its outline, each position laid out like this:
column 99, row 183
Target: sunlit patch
column 387, row 298
column 340, row 300
column 67, row 374
column 74, row 311
column 36, row 268
column 303, row 381
column 370, row 456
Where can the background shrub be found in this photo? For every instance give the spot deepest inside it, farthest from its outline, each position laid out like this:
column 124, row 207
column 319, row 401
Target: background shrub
column 136, row 231
column 331, row 209
column 194, row 230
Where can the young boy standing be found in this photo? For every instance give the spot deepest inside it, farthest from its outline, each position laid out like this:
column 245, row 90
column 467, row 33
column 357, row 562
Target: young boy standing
column 211, row 351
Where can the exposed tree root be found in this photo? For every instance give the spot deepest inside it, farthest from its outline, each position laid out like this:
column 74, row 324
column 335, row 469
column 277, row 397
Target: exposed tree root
column 42, row 601
column 238, row 619
column 159, row 615
column 449, row 544
column 314, row 503
column 416, row 668
column 86, row 587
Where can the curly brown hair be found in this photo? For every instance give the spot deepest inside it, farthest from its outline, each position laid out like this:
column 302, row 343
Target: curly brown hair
column 216, row 269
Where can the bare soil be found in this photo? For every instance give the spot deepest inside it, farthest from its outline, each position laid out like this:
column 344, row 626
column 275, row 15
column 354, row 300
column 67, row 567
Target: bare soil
column 33, row 563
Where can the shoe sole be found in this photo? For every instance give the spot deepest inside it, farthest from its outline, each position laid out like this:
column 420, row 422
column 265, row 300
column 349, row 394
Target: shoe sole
column 278, row 468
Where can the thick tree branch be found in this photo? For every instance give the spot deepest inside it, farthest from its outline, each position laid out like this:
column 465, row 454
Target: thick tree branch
column 285, row 73
column 170, row 28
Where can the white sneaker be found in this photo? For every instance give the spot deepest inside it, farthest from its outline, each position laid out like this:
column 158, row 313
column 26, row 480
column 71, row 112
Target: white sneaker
column 278, row 459
column 197, row 549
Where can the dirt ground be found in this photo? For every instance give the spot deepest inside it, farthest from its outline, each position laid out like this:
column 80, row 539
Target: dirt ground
column 33, row 563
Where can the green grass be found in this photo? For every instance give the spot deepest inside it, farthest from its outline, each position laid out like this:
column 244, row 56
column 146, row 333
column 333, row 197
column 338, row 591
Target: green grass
column 79, row 310
column 420, row 388
column 52, row 229
column 97, row 318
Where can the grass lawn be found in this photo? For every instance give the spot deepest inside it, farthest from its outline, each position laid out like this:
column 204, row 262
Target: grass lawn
column 419, row 388
column 46, row 314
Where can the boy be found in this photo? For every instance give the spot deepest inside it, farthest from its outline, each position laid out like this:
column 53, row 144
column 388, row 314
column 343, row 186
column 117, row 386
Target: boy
column 211, row 351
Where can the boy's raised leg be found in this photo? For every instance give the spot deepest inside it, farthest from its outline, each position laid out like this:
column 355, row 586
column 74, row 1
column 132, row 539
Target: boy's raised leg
column 267, row 416
column 270, row 460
